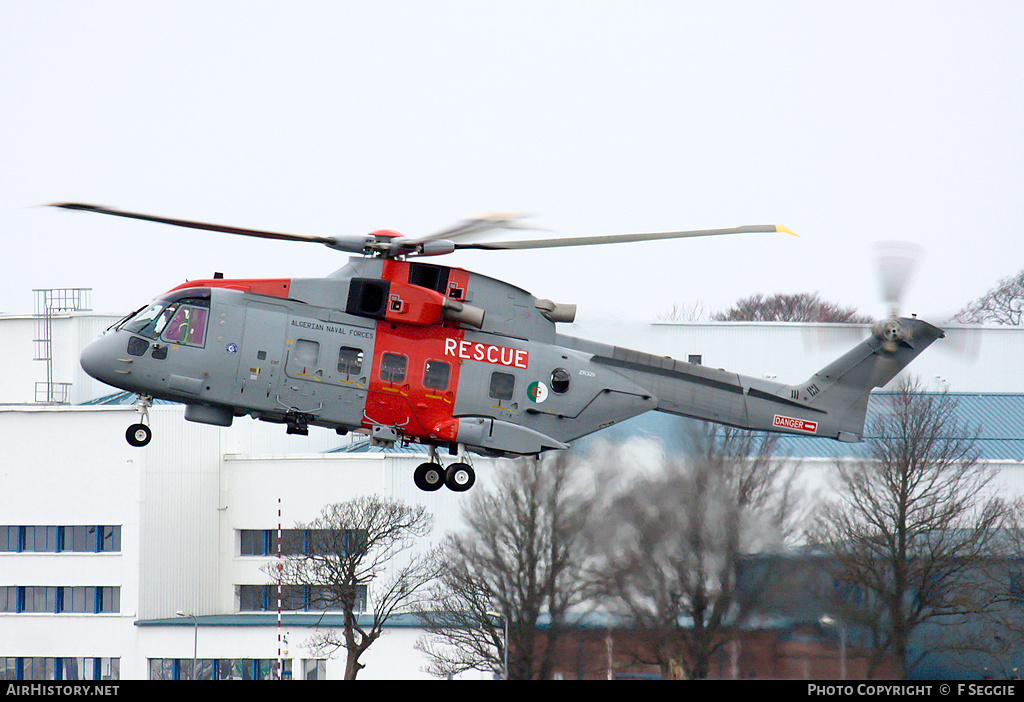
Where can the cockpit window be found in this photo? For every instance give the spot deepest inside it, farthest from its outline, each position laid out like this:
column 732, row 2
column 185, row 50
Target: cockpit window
column 151, row 320
column 174, row 322
column 187, row 326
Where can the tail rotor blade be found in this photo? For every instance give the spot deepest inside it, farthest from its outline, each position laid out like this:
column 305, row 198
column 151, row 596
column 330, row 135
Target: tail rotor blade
column 896, row 263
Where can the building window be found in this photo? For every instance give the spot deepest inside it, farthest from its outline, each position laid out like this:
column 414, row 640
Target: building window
column 77, row 539
column 292, row 541
column 108, row 599
column 314, row 669
column 39, row 598
column 56, row 600
column 10, row 539
column 9, row 598
column 58, row 539
column 109, row 539
column 78, row 599
column 294, row 598
column 9, row 669
column 90, row 668
column 253, row 598
column 40, row 539
column 252, row 542
column 1016, row 588
column 39, row 668
column 219, row 669
column 263, row 542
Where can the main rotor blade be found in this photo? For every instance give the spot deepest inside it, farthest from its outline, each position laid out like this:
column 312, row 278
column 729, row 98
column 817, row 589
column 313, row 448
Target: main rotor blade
column 329, row 241
column 476, row 225
column 621, row 238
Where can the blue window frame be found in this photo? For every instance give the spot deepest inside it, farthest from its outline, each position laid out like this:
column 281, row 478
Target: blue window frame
column 263, row 542
column 42, row 668
column 22, row 599
column 263, row 598
column 58, row 539
column 218, row 669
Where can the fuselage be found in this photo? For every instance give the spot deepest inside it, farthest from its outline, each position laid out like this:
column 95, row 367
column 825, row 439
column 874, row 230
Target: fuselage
column 414, row 352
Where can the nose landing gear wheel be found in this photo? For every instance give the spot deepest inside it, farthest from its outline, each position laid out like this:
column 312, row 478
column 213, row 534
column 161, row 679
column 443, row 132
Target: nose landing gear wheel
column 459, row 477
column 138, row 434
column 429, row 476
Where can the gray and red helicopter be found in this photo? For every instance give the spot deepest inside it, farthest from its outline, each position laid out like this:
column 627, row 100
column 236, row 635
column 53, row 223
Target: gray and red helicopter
column 415, row 352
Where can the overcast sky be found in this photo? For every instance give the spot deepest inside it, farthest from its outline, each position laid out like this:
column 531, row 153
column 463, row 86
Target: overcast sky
column 846, row 122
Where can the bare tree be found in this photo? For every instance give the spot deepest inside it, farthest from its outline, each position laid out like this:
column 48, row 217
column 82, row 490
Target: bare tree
column 693, row 312
column 1003, row 304
column 354, row 546
column 801, row 307
column 912, row 523
column 671, row 542
column 517, row 563
column 993, row 646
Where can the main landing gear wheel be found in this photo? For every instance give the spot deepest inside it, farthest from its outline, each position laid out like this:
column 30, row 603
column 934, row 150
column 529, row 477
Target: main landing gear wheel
column 429, row 476
column 459, row 477
column 138, row 434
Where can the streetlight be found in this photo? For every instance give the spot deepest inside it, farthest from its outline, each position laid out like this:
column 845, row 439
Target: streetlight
column 829, row 620
column 195, row 638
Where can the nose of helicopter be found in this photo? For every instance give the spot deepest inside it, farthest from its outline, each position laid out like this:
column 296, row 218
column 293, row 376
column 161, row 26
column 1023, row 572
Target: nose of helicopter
column 99, row 357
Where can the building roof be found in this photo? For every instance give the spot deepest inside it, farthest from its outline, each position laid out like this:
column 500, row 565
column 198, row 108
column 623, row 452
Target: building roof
column 998, row 417
column 291, row 619
column 123, row 398
column 365, row 445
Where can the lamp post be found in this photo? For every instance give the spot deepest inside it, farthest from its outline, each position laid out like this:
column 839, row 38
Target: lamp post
column 195, row 638
column 829, row 620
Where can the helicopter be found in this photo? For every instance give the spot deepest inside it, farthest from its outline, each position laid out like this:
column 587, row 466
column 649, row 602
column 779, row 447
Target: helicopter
column 415, row 352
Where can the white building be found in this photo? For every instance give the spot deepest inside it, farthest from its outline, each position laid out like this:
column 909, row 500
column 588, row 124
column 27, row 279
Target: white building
column 170, row 520
column 102, row 544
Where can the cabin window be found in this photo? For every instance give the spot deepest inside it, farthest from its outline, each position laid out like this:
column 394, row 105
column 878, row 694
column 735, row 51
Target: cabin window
column 307, row 353
column 392, row 368
column 502, row 385
column 350, row 360
column 436, row 375
column 560, row 381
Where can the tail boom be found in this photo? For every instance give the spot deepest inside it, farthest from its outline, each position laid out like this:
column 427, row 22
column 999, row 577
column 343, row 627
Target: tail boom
column 832, row 403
